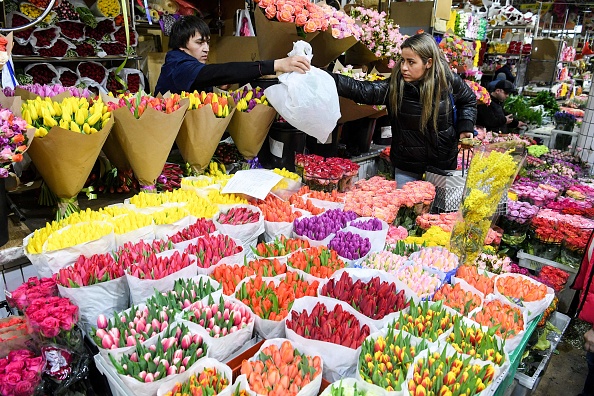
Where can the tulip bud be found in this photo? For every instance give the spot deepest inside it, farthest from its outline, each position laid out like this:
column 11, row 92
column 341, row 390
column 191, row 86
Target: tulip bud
column 186, row 341
column 172, row 370
column 178, row 354
column 130, row 341
column 153, row 348
column 134, row 357
column 142, row 375
column 100, row 333
column 185, row 360
column 102, row 322
column 149, row 377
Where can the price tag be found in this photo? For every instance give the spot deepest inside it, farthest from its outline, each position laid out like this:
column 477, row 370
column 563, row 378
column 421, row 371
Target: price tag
column 276, row 147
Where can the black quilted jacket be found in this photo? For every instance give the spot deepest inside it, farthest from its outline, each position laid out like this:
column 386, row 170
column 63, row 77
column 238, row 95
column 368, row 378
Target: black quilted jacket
column 413, row 151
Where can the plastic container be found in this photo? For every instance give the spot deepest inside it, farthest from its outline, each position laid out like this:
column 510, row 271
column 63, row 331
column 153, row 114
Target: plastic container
column 560, row 321
column 283, row 142
column 321, row 184
column 536, row 263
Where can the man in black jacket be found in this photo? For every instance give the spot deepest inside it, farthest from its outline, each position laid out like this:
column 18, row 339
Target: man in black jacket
column 494, row 117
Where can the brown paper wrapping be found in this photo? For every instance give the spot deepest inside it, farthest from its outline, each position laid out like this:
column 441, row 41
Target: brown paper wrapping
column 115, row 154
column 147, row 141
column 249, row 130
column 13, row 103
column 28, row 95
column 326, row 48
column 65, row 158
column 359, row 54
column 200, row 134
column 275, row 39
column 351, row 111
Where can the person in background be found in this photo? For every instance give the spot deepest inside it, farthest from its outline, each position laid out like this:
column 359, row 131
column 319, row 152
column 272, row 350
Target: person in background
column 418, row 96
column 185, row 67
column 491, row 86
column 494, row 117
column 503, row 67
column 585, row 311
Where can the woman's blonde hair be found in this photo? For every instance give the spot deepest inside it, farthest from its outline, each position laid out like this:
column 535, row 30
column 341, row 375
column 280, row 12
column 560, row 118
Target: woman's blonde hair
column 432, row 85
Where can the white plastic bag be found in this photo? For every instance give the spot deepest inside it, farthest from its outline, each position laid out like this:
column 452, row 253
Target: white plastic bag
column 223, row 347
column 376, row 238
column 339, row 361
column 310, row 389
column 365, row 275
column 196, row 369
column 101, row 298
column 347, row 385
column 38, row 260
column 274, row 229
column 141, row 289
column 139, row 234
column 246, row 233
column 309, row 101
column 164, row 231
column 534, row 308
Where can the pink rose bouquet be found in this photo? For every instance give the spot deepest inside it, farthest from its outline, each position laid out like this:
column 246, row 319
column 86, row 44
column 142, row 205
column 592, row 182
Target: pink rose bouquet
column 20, row 373
column 481, row 93
column 341, row 24
column 49, row 317
column 380, row 34
column 31, row 290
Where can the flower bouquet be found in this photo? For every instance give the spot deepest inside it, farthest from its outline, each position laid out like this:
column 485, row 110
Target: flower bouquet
column 481, row 93
column 491, row 172
column 92, row 279
column 140, row 132
column 517, row 218
column 281, row 23
column 381, row 38
column 176, row 350
column 53, row 321
column 457, row 51
column 31, row 290
column 201, row 130
column 21, row 372
column 493, row 263
column 208, row 377
column 60, row 126
column 15, row 138
column 251, row 121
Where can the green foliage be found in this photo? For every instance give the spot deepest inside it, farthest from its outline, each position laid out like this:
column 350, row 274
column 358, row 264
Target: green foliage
column 519, row 106
column 547, row 99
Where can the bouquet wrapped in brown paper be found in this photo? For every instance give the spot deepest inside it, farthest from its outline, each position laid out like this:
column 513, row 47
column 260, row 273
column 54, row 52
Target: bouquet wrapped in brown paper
column 205, row 122
column 145, row 128
column 69, row 136
column 278, row 29
column 251, row 121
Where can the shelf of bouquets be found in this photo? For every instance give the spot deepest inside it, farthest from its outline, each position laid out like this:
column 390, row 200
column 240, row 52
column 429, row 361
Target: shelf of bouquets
column 70, row 33
column 310, row 308
column 299, row 286
column 137, row 145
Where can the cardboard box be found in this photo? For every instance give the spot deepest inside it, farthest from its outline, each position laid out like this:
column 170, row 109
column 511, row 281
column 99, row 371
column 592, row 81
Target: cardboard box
column 415, row 14
column 233, row 49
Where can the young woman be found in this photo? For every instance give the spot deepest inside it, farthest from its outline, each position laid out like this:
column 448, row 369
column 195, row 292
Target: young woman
column 420, row 109
column 185, row 67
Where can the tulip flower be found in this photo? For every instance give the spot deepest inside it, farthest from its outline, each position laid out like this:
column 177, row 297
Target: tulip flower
column 426, row 320
column 219, row 319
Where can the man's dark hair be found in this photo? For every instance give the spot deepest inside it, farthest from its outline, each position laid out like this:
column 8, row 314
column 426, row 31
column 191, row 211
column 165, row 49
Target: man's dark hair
column 185, row 28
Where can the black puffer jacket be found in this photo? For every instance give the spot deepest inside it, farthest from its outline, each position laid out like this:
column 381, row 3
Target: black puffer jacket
column 412, row 150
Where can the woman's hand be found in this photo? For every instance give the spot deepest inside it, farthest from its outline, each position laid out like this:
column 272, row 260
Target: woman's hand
column 298, row 64
column 466, row 135
column 589, row 340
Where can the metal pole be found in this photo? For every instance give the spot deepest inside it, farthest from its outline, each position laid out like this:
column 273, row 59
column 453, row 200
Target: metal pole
column 550, row 27
column 32, row 23
column 538, row 19
column 565, row 23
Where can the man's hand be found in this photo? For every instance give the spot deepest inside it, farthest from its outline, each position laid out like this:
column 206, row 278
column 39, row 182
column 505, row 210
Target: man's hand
column 298, row 64
column 589, row 340
column 521, row 124
column 466, row 135
column 509, row 118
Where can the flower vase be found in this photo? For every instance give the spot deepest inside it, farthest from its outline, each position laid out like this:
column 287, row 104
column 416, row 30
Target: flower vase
column 546, row 249
column 3, row 213
column 491, row 172
column 571, row 255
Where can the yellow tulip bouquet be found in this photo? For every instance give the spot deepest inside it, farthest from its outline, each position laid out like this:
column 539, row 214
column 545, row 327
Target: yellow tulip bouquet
column 60, row 126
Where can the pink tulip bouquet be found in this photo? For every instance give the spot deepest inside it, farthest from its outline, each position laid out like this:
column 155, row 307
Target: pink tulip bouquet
column 88, row 271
